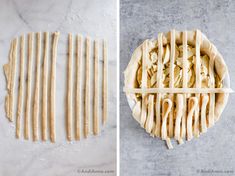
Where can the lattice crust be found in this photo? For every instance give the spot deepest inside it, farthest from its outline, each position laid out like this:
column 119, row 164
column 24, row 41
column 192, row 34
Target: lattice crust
column 176, row 82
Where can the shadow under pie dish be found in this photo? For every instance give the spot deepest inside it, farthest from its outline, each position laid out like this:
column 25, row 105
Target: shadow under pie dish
column 177, row 85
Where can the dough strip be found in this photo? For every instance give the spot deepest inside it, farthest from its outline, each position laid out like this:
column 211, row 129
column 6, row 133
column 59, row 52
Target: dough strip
column 185, row 59
column 21, row 86
column 178, row 90
column 168, row 143
column 36, row 91
column 185, row 83
column 144, row 83
column 105, row 83
column 96, row 89
column 44, row 86
column 171, row 83
column 69, row 87
column 157, row 131
column 205, row 99
column 78, row 87
column 150, row 119
column 28, row 88
column 13, row 75
column 166, row 109
column 192, row 104
column 211, row 119
column 87, row 89
column 179, row 114
column 53, row 85
column 198, row 81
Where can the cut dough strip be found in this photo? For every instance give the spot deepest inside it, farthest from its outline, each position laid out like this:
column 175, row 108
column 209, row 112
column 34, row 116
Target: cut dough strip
column 192, row 104
column 13, row 75
column 198, row 81
column 36, row 91
column 211, row 119
column 166, row 109
column 205, row 100
column 96, row 90
column 168, row 143
column 44, row 86
column 21, row 86
column 105, row 83
column 159, row 85
column 87, row 89
column 150, row 119
column 185, row 60
column 178, row 90
column 78, row 87
column 28, row 88
column 144, row 82
column 198, row 59
column 179, row 114
column 53, row 85
column 171, row 83
column 185, row 81
column 69, row 87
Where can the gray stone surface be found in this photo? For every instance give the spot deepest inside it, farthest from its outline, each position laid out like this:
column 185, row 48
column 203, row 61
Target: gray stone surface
column 144, row 155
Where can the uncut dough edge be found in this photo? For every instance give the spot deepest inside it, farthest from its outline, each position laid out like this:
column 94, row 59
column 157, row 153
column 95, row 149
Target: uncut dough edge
column 7, row 72
column 10, row 73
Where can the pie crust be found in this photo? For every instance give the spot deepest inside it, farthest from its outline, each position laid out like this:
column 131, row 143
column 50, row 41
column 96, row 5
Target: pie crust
column 177, row 85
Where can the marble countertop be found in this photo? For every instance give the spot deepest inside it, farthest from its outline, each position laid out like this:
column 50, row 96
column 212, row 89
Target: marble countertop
column 212, row 152
column 94, row 18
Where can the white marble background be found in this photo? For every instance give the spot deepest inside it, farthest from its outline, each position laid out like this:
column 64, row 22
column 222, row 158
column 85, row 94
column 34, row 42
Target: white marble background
column 94, row 18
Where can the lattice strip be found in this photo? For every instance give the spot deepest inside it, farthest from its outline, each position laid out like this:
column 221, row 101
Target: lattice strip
column 212, row 95
column 178, row 90
column 144, row 82
column 198, row 82
column 159, row 85
column 171, row 83
column 185, row 85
